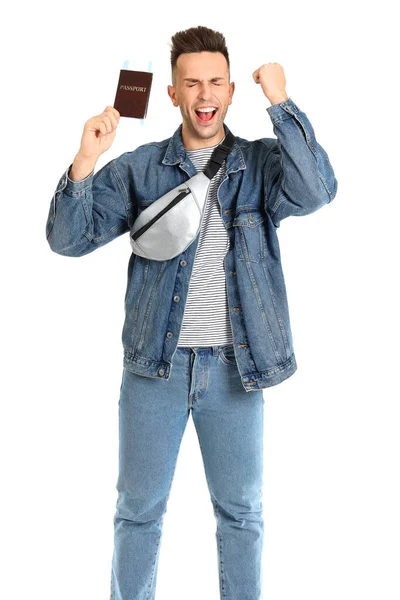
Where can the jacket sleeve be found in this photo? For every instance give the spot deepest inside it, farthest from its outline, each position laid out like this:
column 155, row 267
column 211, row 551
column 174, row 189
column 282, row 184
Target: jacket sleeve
column 298, row 178
column 87, row 214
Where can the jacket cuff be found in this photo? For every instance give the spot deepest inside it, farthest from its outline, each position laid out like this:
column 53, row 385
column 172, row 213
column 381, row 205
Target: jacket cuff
column 283, row 110
column 71, row 187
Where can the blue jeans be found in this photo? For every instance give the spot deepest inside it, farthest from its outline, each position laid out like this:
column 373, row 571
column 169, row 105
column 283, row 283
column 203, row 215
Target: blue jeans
column 153, row 414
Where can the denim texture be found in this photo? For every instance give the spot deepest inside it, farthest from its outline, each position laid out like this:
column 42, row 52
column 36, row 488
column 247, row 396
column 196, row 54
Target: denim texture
column 266, row 181
column 153, row 414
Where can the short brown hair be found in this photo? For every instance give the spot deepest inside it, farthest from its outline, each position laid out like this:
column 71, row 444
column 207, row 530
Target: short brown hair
column 197, row 39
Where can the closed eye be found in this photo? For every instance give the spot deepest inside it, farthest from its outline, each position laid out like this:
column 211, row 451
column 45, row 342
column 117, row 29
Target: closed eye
column 195, row 84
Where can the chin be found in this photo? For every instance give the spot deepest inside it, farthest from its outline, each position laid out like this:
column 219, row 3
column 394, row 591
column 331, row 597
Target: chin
column 213, row 129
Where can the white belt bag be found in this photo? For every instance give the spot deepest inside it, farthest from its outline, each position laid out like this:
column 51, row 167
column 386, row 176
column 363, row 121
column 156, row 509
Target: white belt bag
column 170, row 224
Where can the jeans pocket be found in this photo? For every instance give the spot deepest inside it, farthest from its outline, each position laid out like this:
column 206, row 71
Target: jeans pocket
column 227, row 355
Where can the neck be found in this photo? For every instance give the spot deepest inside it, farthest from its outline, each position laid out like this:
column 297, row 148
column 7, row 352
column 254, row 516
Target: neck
column 191, row 143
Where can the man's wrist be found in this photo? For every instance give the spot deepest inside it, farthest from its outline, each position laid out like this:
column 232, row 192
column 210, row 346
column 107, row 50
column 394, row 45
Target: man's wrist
column 81, row 168
column 278, row 98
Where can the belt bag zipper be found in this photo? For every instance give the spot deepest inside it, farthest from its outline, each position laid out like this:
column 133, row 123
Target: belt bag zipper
column 173, row 202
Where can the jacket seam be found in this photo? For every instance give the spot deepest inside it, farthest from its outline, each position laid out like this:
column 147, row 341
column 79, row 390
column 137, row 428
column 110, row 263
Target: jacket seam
column 114, row 170
column 110, row 233
column 279, row 201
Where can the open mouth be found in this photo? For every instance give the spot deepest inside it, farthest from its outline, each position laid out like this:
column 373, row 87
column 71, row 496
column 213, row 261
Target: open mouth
column 206, row 117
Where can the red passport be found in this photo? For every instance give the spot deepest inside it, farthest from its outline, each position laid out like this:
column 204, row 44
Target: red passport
column 133, row 92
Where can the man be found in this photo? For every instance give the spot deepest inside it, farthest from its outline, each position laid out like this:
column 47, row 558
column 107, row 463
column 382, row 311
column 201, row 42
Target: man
column 207, row 327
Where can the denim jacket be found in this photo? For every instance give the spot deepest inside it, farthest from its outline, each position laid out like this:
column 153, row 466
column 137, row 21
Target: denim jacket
column 266, row 180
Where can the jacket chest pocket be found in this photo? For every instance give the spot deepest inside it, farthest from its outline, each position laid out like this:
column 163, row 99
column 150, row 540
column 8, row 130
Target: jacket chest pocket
column 250, row 235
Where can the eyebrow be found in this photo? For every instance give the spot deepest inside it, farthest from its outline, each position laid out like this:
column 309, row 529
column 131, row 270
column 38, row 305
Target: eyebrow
column 195, row 80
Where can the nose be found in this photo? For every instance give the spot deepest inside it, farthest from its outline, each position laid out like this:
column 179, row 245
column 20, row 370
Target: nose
column 205, row 91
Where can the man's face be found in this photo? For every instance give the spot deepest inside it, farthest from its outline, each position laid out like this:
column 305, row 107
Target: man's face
column 202, row 80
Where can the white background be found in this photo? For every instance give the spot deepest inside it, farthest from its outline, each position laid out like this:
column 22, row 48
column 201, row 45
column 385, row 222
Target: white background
column 331, row 490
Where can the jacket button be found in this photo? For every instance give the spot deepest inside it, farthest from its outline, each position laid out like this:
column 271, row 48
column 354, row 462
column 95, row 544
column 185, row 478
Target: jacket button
column 161, row 371
column 182, row 262
column 176, row 298
column 169, row 334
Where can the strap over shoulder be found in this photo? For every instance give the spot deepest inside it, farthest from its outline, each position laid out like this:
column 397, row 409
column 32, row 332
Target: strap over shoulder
column 219, row 155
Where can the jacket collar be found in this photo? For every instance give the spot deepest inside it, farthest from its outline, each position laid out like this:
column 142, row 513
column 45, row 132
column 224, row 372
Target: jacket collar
column 176, row 153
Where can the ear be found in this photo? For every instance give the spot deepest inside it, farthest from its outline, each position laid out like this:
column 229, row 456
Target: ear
column 172, row 95
column 231, row 91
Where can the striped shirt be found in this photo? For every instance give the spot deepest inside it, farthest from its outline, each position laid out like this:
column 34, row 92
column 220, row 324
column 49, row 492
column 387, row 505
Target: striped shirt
column 206, row 317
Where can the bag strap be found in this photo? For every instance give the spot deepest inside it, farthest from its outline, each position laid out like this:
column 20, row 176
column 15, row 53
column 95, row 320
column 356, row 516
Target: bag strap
column 219, row 154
